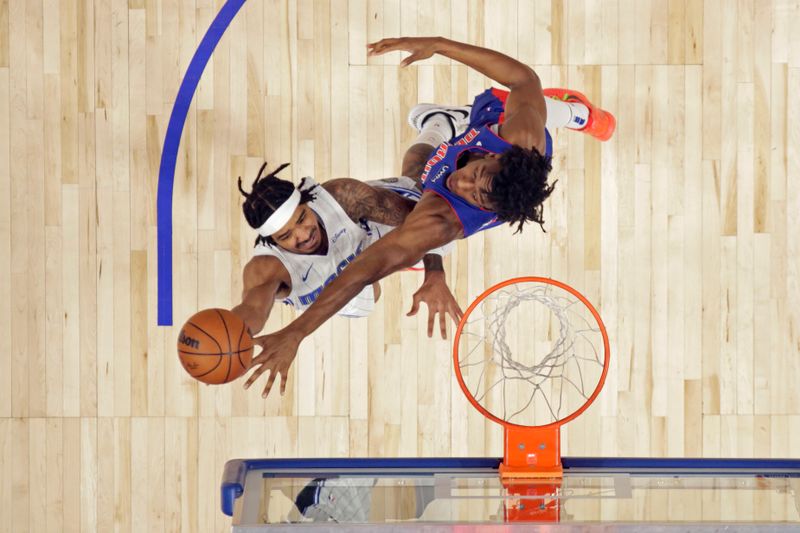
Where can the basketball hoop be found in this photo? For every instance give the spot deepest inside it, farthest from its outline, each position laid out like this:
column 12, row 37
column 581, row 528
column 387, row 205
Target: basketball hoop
column 531, row 354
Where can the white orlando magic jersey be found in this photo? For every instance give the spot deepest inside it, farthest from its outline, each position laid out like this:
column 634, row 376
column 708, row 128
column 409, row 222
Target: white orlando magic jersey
column 346, row 240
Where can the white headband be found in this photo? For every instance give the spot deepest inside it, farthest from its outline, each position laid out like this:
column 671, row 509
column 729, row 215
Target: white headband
column 281, row 216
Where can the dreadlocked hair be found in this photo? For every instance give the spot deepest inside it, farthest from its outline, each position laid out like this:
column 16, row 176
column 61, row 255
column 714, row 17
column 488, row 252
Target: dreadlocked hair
column 520, row 188
column 266, row 195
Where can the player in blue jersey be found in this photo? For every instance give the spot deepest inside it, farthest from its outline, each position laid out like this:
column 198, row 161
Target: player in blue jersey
column 495, row 172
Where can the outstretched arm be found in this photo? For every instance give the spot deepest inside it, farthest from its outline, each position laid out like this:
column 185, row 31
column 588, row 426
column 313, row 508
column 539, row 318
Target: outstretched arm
column 525, row 109
column 263, row 277
column 363, row 201
column 400, row 248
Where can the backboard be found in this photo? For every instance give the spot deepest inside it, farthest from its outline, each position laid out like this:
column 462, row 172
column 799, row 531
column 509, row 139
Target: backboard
column 446, row 494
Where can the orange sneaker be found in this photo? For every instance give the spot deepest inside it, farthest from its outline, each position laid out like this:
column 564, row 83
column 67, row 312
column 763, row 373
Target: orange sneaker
column 601, row 123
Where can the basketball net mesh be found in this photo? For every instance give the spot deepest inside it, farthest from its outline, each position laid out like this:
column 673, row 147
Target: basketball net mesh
column 531, row 353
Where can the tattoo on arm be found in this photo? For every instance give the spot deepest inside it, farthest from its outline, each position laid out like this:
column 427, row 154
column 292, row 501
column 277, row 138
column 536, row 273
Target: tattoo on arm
column 414, row 162
column 362, row 201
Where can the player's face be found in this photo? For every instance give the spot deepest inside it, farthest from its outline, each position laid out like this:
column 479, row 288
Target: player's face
column 302, row 234
column 472, row 180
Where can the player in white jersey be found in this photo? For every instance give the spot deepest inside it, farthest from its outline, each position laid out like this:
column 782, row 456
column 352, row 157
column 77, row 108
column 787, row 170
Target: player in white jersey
column 308, row 234
column 346, row 239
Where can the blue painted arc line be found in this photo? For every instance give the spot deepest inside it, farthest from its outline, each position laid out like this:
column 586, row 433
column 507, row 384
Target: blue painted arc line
column 169, row 153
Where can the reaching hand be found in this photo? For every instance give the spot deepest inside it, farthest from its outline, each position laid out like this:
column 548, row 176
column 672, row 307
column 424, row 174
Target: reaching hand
column 278, row 350
column 420, row 48
column 435, row 292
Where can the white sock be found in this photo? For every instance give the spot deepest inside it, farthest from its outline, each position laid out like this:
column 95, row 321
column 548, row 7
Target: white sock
column 437, row 130
column 434, row 138
column 561, row 114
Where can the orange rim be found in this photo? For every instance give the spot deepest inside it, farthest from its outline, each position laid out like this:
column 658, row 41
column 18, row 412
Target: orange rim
column 531, row 279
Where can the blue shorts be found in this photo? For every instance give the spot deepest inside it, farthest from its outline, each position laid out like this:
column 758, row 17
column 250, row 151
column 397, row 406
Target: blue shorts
column 487, row 108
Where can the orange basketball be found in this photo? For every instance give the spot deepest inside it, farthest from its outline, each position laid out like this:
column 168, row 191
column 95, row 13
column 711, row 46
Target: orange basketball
column 215, row 347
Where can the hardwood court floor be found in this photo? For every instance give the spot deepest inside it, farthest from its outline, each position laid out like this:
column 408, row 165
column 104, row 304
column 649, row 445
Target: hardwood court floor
column 683, row 231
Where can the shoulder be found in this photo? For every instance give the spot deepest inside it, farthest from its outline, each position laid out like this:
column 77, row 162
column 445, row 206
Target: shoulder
column 349, row 193
column 527, row 130
column 340, row 186
column 263, row 269
column 526, row 114
column 434, row 214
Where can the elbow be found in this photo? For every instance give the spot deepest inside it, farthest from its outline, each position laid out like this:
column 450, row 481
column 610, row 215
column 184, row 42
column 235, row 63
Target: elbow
column 524, row 76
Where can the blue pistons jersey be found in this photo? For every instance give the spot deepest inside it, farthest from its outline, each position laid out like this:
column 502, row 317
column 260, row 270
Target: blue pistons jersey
column 487, row 111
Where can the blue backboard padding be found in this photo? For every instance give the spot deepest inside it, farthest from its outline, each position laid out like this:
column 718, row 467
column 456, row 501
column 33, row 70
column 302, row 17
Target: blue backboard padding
column 236, row 470
column 233, row 483
column 169, row 153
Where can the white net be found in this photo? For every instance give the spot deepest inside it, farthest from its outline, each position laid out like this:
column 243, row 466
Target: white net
column 531, row 353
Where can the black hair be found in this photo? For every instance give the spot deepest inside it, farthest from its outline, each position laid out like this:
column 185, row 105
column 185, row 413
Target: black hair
column 267, row 194
column 520, row 188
